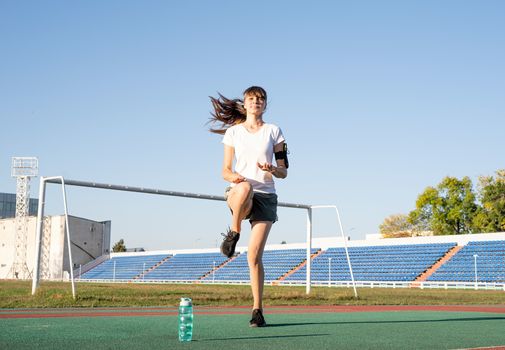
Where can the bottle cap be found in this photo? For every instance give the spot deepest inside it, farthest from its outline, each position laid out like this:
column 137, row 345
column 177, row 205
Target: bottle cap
column 186, row 302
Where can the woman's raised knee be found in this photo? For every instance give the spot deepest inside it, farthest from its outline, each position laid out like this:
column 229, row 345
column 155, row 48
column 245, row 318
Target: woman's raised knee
column 244, row 189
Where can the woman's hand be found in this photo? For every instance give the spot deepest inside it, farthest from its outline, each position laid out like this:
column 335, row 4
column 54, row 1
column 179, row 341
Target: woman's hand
column 277, row 171
column 237, row 178
column 266, row 167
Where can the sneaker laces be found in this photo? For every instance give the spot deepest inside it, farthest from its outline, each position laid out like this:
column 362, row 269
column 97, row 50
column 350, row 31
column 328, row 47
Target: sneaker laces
column 229, row 235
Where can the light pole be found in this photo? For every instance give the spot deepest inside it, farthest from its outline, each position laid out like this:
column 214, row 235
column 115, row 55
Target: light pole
column 475, row 256
column 329, row 272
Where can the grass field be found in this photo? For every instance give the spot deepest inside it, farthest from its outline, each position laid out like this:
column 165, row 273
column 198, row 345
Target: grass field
column 17, row 294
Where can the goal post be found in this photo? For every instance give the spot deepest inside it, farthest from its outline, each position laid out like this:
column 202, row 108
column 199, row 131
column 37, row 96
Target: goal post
column 339, row 222
column 67, row 182
column 38, row 237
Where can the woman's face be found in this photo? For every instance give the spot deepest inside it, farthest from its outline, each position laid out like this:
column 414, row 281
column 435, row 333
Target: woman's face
column 254, row 104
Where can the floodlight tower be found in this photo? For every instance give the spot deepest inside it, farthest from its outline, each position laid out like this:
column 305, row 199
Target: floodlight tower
column 23, row 168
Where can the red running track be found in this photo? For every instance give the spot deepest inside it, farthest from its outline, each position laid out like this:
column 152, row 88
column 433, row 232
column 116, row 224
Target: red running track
column 207, row 310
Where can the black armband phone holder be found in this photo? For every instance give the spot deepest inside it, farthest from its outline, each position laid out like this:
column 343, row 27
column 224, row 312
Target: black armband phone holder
column 283, row 155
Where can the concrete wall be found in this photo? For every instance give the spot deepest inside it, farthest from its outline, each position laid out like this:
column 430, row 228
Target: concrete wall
column 7, row 242
column 90, row 240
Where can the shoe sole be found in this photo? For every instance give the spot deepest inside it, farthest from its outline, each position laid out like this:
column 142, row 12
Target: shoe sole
column 254, row 325
column 228, row 255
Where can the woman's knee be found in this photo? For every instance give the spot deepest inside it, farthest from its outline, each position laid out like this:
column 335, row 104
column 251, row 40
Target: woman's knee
column 244, row 189
column 254, row 260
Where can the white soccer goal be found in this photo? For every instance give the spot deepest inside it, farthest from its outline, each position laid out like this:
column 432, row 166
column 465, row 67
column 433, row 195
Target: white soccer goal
column 60, row 180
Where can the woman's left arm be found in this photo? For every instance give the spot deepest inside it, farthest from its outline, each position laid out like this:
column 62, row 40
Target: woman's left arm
column 280, row 171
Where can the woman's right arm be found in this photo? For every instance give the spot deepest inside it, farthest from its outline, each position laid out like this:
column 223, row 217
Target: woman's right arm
column 227, row 173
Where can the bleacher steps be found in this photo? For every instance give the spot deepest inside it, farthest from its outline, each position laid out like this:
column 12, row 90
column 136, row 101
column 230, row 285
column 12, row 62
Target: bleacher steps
column 296, row 268
column 424, row 276
column 219, row 266
column 91, row 265
column 162, row 261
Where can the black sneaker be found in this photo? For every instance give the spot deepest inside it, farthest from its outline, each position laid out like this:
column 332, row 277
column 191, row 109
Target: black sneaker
column 229, row 243
column 257, row 319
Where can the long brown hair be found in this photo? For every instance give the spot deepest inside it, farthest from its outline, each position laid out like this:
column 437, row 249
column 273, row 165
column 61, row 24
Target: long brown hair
column 229, row 112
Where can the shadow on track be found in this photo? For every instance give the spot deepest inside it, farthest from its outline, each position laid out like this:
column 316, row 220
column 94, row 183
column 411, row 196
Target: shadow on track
column 266, row 337
column 467, row 319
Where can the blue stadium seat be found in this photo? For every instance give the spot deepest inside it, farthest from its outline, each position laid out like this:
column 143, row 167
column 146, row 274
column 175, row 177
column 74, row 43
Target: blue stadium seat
column 369, row 263
column 186, row 267
column 375, row 263
column 276, row 264
column 490, row 264
column 124, row 267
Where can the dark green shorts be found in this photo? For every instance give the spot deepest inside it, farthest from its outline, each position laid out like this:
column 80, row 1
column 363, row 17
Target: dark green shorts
column 264, row 206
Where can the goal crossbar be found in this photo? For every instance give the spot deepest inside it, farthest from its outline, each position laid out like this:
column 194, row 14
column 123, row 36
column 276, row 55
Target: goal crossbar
column 68, row 182
column 104, row 186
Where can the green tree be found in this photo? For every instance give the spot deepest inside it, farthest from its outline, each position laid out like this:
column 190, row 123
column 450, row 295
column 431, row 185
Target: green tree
column 119, row 246
column 448, row 209
column 491, row 192
column 427, row 205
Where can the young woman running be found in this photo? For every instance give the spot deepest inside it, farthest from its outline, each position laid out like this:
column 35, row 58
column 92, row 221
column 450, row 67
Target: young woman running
column 251, row 195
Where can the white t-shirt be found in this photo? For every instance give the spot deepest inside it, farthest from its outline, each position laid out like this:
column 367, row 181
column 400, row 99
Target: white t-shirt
column 251, row 148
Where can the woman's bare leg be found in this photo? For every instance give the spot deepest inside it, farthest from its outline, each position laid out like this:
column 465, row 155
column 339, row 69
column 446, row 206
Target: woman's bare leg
column 240, row 202
column 259, row 235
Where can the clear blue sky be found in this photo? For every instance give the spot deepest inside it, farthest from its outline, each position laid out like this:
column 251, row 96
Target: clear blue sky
column 377, row 100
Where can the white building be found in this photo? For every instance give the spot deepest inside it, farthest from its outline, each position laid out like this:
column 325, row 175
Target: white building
column 90, row 240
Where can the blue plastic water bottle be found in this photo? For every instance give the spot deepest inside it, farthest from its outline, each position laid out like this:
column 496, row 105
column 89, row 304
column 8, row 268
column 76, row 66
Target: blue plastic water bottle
column 185, row 320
